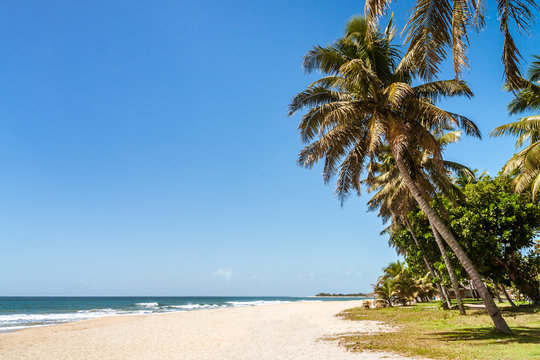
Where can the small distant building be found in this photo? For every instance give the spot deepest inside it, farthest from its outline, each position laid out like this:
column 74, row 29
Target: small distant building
column 465, row 293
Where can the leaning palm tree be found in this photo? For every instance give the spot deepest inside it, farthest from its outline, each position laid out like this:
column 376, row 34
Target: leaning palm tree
column 393, row 198
column 435, row 27
column 526, row 163
column 366, row 101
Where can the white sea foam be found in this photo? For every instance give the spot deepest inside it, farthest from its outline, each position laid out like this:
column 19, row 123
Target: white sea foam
column 17, row 319
column 196, row 306
column 148, row 305
column 256, row 303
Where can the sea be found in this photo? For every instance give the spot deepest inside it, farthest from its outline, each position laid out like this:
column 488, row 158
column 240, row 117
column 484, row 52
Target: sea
column 18, row 313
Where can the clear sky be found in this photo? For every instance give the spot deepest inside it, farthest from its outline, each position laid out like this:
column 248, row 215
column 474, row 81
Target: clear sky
column 145, row 149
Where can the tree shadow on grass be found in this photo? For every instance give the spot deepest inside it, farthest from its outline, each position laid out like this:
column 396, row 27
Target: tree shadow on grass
column 518, row 310
column 520, row 335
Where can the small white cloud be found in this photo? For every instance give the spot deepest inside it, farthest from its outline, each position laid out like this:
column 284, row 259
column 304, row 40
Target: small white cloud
column 347, row 272
column 225, row 273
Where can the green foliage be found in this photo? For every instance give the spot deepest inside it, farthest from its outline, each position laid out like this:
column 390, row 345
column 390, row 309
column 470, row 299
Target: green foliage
column 494, row 225
column 399, row 284
column 497, row 228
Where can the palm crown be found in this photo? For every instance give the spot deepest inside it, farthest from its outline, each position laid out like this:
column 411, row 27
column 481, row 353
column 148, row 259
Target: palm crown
column 526, row 163
column 367, row 100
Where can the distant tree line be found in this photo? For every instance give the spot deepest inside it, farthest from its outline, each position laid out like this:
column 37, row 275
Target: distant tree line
column 352, row 295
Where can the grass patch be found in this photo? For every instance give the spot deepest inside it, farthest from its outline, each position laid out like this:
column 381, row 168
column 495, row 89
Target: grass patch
column 425, row 330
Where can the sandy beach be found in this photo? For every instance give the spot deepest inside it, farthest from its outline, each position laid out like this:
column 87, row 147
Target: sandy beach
column 282, row 331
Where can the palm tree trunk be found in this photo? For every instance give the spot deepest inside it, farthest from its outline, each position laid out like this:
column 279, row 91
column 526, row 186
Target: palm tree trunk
column 447, row 235
column 496, row 290
column 451, row 272
column 446, row 296
column 429, row 266
column 507, row 296
column 473, row 291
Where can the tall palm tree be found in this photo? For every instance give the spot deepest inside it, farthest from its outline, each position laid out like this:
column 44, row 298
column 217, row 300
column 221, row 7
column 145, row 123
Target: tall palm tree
column 366, row 101
column 393, row 198
column 437, row 26
column 526, row 163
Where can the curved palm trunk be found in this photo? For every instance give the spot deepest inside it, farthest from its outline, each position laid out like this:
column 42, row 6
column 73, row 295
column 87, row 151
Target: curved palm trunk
column 496, row 291
column 507, row 296
column 429, row 266
column 451, row 272
column 447, row 235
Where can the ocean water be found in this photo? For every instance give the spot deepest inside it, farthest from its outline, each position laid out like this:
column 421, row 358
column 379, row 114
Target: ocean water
column 23, row 312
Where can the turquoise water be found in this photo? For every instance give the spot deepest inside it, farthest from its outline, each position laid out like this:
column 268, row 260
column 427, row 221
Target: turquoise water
column 23, row 312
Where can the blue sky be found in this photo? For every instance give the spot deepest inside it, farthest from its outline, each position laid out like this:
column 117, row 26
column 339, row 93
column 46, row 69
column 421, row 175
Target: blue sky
column 145, row 149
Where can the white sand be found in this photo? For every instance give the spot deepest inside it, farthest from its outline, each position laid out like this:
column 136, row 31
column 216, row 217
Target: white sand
column 276, row 332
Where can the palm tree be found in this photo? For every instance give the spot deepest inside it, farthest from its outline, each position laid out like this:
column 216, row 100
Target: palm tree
column 399, row 284
column 526, row 163
column 367, row 101
column 393, row 270
column 385, row 291
column 426, row 289
column 393, row 198
column 407, row 287
column 435, row 27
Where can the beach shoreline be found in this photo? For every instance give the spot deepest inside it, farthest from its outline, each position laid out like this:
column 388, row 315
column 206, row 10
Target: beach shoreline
column 278, row 331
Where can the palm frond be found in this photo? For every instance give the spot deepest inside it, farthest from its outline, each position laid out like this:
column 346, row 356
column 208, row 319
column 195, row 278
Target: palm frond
column 534, row 69
column 437, row 90
column 528, row 126
column 328, row 60
column 460, row 16
column 429, row 35
column 520, row 12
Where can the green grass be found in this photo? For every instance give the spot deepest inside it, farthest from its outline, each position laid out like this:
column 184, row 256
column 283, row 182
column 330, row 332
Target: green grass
column 425, row 330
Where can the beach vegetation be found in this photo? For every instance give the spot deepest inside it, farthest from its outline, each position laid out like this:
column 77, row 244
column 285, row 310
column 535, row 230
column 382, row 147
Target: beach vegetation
column 400, row 285
column 496, row 227
column 425, row 330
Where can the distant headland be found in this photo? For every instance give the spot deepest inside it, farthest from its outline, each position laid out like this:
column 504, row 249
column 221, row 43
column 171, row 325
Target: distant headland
column 344, row 295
